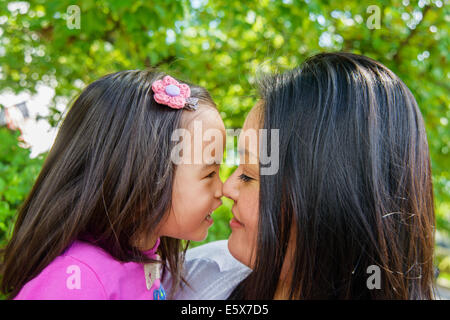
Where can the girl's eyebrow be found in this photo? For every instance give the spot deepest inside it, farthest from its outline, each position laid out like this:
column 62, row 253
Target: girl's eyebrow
column 208, row 165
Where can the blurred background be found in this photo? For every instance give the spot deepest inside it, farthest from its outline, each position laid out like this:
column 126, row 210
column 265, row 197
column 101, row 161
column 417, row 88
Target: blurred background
column 50, row 50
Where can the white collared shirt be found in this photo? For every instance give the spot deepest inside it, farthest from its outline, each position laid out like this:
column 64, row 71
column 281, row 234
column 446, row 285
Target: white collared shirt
column 212, row 272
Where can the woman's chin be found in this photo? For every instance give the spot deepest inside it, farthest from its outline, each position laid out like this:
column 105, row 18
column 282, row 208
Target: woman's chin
column 237, row 248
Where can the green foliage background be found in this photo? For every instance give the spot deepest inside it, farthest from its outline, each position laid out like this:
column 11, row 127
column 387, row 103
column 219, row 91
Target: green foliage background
column 221, row 45
column 17, row 175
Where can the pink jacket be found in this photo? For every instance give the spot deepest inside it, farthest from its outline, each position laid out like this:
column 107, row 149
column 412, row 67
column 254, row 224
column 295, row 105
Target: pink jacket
column 87, row 272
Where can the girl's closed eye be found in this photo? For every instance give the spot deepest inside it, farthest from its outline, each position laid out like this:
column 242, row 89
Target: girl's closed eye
column 212, row 174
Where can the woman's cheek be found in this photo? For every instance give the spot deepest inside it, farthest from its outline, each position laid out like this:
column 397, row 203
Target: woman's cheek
column 253, row 234
column 251, row 213
column 251, row 209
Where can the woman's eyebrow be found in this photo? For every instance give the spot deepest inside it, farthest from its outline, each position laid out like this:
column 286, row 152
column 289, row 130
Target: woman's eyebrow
column 245, row 152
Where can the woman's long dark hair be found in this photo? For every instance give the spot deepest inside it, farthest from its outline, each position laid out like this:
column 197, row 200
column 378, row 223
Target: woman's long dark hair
column 353, row 189
column 107, row 179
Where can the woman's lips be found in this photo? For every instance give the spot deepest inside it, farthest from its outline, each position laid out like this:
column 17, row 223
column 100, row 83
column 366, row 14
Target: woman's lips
column 235, row 223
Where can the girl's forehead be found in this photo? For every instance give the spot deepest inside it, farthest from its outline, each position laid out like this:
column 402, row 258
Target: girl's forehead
column 205, row 116
column 203, row 136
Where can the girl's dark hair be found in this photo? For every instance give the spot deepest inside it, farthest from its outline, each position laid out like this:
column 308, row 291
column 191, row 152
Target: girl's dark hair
column 353, row 188
column 107, row 179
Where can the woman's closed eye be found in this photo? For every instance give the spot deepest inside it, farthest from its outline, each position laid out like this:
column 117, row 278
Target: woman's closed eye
column 245, row 178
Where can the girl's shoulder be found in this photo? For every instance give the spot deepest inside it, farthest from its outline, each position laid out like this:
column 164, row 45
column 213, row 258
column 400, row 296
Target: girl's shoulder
column 94, row 256
column 83, row 271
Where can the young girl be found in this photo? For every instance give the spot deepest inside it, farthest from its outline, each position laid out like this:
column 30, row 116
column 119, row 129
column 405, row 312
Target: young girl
column 109, row 195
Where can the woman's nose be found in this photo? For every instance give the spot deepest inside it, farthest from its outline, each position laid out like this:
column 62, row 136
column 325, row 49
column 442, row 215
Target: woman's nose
column 230, row 189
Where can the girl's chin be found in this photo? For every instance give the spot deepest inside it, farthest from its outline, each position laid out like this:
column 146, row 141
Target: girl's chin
column 198, row 239
column 200, row 235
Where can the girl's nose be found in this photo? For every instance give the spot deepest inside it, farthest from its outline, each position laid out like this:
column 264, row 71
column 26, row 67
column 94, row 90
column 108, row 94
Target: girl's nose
column 219, row 189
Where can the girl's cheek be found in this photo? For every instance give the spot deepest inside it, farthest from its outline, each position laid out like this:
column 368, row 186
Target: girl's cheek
column 199, row 201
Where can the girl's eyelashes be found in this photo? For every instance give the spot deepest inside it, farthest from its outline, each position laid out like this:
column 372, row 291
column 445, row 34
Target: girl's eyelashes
column 245, row 178
column 212, row 174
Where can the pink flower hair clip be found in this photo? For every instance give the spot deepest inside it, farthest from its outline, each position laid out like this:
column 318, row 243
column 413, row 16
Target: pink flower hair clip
column 170, row 92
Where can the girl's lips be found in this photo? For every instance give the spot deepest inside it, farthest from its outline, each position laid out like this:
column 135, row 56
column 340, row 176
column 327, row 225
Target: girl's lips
column 209, row 219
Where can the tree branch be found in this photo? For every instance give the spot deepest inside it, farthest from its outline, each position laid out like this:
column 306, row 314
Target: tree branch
column 404, row 42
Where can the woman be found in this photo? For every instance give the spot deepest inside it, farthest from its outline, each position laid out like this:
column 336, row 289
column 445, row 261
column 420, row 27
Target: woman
column 349, row 213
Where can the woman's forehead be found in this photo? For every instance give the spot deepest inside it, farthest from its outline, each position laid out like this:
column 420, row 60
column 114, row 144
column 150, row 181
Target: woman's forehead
column 249, row 137
column 254, row 117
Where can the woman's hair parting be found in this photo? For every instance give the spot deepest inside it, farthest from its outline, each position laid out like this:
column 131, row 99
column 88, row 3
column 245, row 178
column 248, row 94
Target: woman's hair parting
column 107, row 179
column 353, row 193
